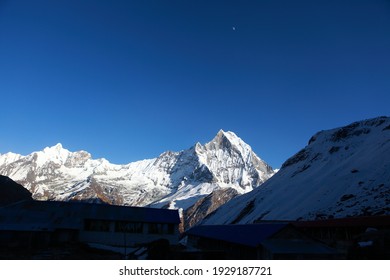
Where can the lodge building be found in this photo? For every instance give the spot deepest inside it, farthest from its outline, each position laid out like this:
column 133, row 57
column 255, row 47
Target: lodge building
column 41, row 223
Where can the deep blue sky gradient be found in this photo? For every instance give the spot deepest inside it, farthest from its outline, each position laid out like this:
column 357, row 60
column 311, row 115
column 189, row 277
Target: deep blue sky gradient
column 128, row 80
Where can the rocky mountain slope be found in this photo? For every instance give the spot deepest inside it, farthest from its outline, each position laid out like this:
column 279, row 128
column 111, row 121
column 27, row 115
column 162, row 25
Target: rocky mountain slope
column 174, row 179
column 341, row 172
column 206, row 205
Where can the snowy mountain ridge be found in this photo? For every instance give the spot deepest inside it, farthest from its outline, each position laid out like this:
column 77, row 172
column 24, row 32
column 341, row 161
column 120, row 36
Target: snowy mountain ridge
column 341, row 172
column 174, row 179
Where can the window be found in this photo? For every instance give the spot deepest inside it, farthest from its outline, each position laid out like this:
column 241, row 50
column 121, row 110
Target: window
column 171, row 228
column 161, row 228
column 96, row 225
column 129, row 227
column 155, row 228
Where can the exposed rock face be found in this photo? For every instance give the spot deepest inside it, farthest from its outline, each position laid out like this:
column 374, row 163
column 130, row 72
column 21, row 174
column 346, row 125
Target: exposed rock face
column 341, row 172
column 207, row 205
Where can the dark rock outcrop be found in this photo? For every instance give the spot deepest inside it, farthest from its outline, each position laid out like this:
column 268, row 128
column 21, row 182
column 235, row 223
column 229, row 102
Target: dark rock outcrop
column 11, row 191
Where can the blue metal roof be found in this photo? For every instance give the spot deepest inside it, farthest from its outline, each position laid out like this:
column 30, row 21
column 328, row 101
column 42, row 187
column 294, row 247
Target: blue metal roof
column 288, row 246
column 250, row 235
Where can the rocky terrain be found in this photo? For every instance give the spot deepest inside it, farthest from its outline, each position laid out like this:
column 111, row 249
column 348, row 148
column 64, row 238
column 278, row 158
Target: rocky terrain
column 11, row 191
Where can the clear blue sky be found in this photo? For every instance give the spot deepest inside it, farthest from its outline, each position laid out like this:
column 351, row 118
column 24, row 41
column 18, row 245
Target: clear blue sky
column 128, row 80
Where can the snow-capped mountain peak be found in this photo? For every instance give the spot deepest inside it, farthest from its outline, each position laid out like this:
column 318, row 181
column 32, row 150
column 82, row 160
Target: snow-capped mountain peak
column 55, row 154
column 231, row 136
column 230, row 141
column 58, row 147
column 59, row 156
column 225, row 140
column 8, row 158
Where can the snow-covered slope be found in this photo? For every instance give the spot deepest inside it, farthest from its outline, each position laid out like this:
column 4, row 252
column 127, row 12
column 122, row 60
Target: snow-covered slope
column 341, row 172
column 174, row 179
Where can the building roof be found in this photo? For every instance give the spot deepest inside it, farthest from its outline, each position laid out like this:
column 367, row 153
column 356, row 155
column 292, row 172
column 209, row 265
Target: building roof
column 71, row 215
column 363, row 221
column 293, row 246
column 250, row 235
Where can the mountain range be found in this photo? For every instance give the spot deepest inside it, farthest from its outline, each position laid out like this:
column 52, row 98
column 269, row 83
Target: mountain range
column 341, row 172
column 172, row 180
